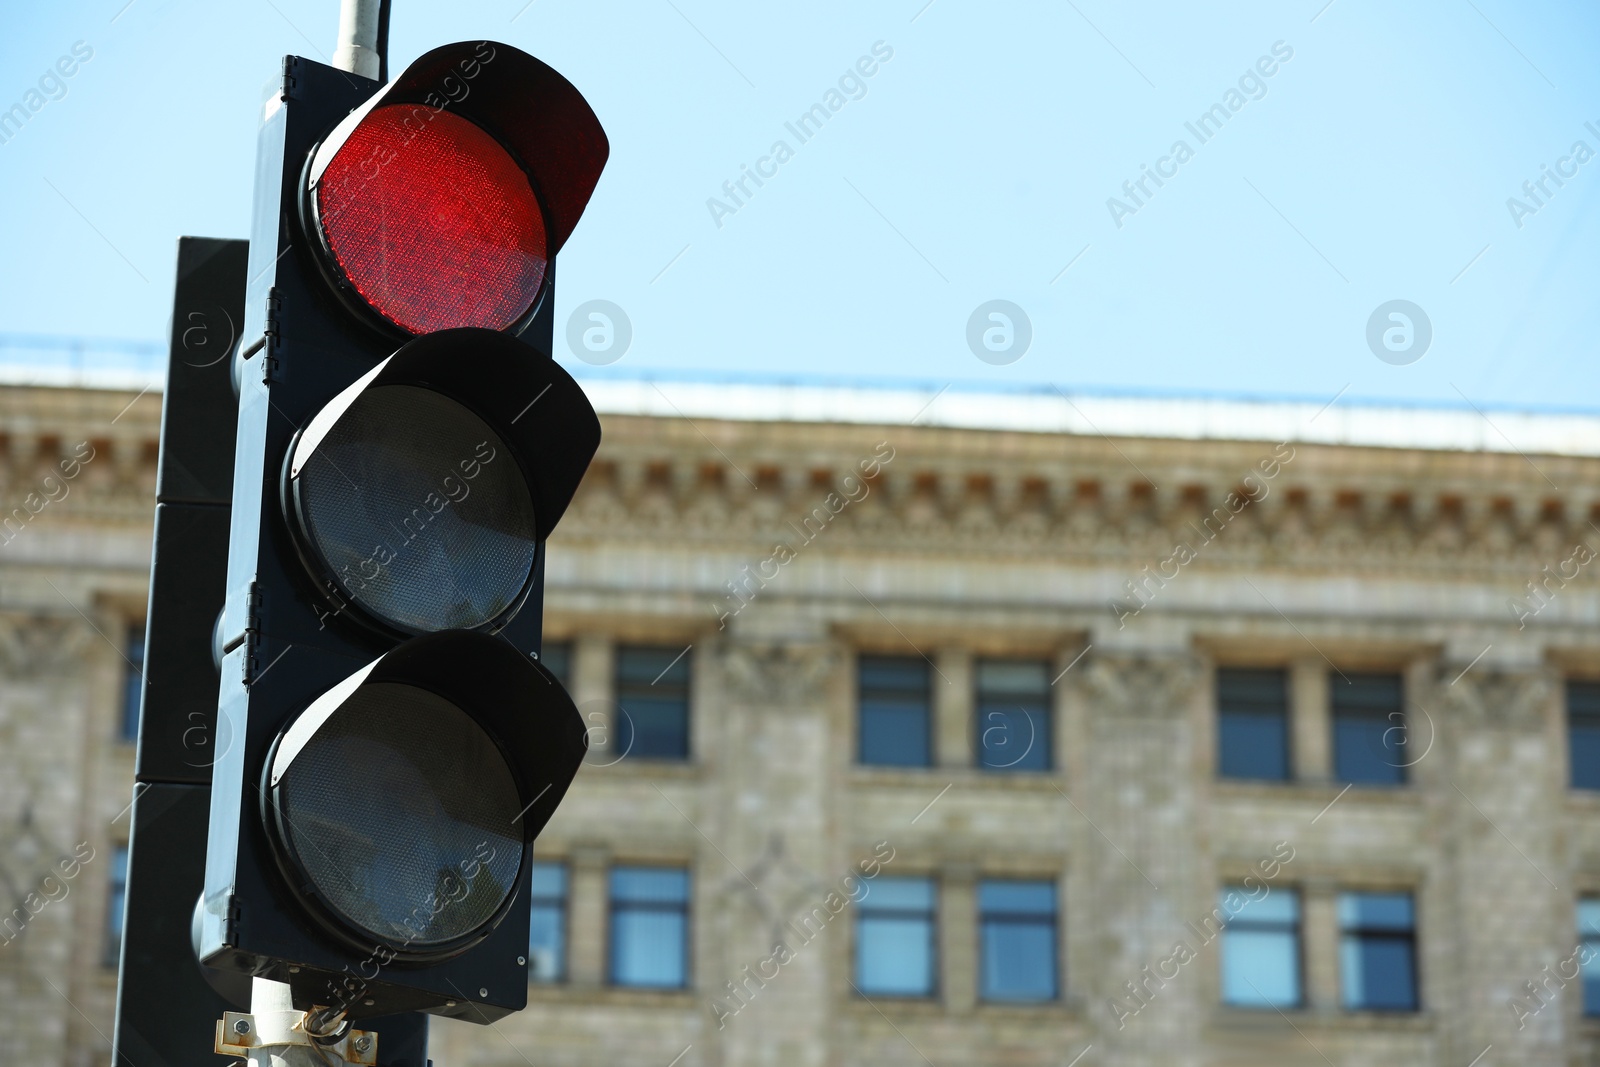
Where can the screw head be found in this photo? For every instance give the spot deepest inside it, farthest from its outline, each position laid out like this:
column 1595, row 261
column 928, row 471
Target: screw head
column 522, row 961
column 241, row 1026
column 363, row 1043
column 483, row 992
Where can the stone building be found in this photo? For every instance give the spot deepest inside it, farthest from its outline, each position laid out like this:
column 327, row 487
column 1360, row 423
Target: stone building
column 954, row 729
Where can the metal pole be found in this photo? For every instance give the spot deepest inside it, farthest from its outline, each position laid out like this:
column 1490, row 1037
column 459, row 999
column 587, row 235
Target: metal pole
column 273, row 1012
column 357, row 51
column 273, row 1034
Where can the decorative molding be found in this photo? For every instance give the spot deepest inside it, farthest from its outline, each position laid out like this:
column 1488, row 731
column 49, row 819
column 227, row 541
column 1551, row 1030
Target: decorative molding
column 1142, row 687
column 1426, row 513
column 1496, row 699
column 778, row 676
column 777, row 890
column 37, row 645
column 1035, row 495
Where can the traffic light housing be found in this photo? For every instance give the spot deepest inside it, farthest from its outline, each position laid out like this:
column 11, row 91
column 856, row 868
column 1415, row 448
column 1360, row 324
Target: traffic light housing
column 405, row 445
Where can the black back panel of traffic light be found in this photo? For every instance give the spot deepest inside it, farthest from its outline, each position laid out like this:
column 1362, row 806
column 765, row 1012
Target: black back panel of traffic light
column 194, row 490
column 285, row 648
column 167, row 1007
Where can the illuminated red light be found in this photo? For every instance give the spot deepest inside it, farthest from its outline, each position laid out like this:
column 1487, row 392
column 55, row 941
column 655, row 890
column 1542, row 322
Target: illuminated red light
column 432, row 221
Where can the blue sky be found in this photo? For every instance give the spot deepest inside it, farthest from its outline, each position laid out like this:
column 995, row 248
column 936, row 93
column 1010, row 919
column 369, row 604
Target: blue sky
column 975, row 165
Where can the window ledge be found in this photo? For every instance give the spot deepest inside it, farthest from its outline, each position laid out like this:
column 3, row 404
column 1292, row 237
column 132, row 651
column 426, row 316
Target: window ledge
column 1583, row 801
column 1266, row 1020
column 1315, row 792
column 610, row 996
column 887, row 1004
column 672, row 770
column 1056, row 1011
column 968, row 777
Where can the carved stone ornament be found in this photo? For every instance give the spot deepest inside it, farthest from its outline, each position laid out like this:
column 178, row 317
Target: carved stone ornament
column 32, row 646
column 1495, row 698
column 1141, row 686
column 783, row 675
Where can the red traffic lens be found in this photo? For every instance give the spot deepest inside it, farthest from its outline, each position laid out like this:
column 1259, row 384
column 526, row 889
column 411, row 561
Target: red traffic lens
column 432, row 221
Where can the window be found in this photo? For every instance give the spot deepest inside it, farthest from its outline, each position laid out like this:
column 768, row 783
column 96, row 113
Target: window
column 557, row 659
column 1589, row 938
column 1369, row 732
column 1583, row 733
column 116, row 904
column 132, row 682
column 653, row 695
column 547, row 933
column 1017, row 924
column 650, row 927
column 894, row 938
column 1377, row 951
column 1253, row 724
column 895, row 717
column 1013, row 706
column 1261, row 948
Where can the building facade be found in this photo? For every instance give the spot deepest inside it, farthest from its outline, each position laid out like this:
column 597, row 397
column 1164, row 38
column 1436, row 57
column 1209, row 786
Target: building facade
column 961, row 735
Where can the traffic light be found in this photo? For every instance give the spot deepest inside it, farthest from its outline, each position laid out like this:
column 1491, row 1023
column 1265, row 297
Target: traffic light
column 405, row 445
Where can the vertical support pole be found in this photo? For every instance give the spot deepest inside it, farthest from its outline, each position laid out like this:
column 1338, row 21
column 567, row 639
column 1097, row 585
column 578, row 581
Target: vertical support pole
column 357, row 50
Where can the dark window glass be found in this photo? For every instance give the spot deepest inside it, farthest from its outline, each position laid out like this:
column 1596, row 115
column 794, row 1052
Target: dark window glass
column 650, row 927
column 547, row 932
column 653, row 698
column 1369, row 729
column 1378, row 952
column 1017, row 922
column 116, row 904
column 557, row 659
column 895, row 716
column 1583, row 733
column 1261, row 947
column 1253, row 724
column 1013, row 709
column 1589, row 938
column 894, row 938
column 132, row 682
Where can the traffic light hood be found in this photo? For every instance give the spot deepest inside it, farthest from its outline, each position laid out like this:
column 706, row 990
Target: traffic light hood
column 403, row 800
column 526, row 397
column 515, row 698
column 522, row 102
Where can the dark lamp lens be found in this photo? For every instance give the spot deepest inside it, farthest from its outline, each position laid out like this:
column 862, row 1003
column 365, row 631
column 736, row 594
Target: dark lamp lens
column 401, row 812
column 418, row 511
column 432, row 221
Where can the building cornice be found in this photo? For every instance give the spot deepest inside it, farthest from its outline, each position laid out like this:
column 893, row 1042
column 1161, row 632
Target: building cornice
column 947, row 490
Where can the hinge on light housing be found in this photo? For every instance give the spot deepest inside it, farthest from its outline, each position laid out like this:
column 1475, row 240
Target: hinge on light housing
column 269, row 336
column 252, row 632
column 287, row 87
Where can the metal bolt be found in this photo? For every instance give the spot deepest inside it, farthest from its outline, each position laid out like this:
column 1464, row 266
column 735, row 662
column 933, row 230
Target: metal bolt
column 483, row 992
column 369, row 1002
column 363, row 1043
column 522, row 961
column 241, row 1026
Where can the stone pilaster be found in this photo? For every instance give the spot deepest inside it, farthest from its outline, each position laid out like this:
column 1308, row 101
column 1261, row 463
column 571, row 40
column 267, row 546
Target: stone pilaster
column 953, row 708
column 958, row 943
column 1136, row 854
column 1310, row 722
column 587, row 903
column 772, row 821
column 1503, row 892
column 1319, row 943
